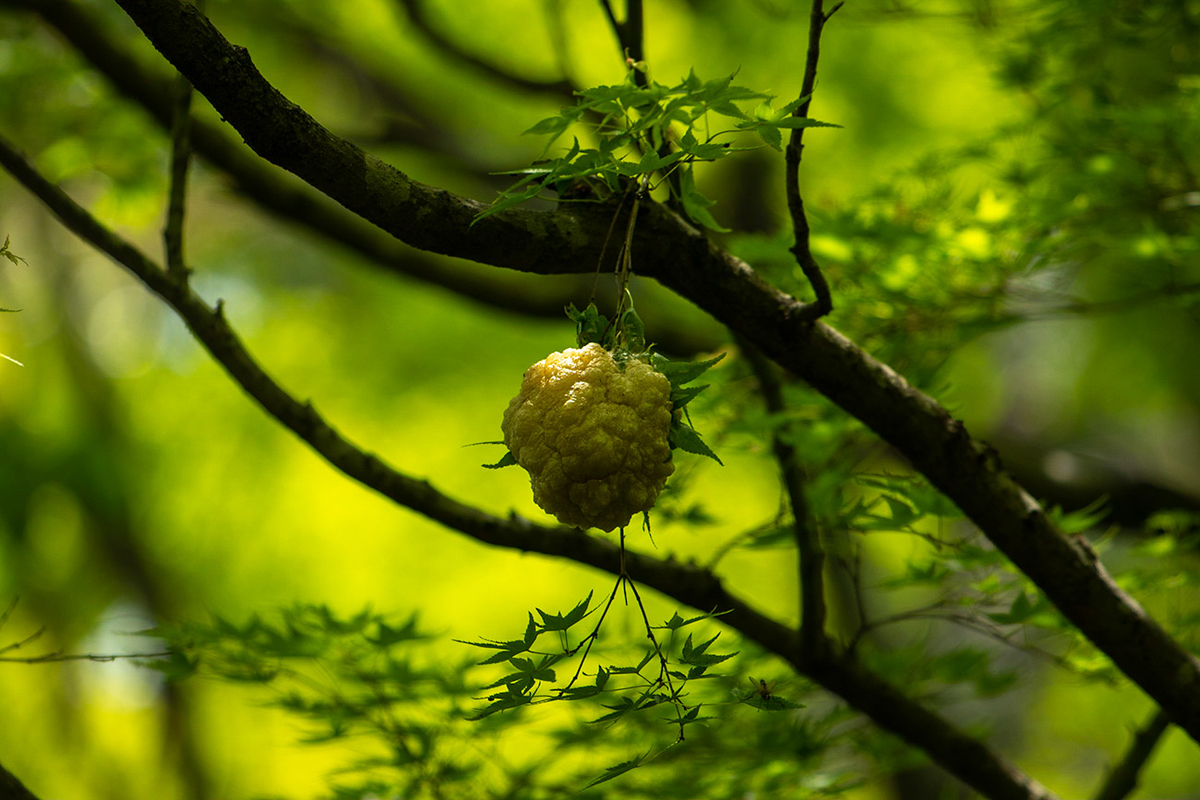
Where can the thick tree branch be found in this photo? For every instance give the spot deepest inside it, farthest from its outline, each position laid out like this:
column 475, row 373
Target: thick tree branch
column 962, row 756
column 297, row 204
column 666, row 248
column 11, row 788
column 285, row 198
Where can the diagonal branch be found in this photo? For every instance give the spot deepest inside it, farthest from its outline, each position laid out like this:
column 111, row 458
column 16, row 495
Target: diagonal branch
column 680, row 257
column 961, row 755
column 415, row 10
column 296, row 204
column 1123, row 779
column 300, row 205
column 11, row 787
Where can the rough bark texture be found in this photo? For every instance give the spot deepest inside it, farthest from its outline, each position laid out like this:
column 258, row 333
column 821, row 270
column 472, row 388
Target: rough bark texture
column 13, row 789
column 684, row 260
column 968, row 759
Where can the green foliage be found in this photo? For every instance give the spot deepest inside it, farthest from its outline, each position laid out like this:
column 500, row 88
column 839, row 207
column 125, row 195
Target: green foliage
column 1083, row 207
column 682, row 435
column 665, row 674
column 649, row 131
column 364, row 678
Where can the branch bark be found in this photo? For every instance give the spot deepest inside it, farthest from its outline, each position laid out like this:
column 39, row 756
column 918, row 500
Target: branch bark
column 808, row 540
column 298, row 204
column 823, row 303
column 1123, row 778
column 680, row 257
column 968, row 759
column 11, row 788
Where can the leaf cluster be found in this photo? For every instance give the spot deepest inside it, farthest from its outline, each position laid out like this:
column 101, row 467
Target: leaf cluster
column 647, row 132
column 660, row 676
column 363, row 678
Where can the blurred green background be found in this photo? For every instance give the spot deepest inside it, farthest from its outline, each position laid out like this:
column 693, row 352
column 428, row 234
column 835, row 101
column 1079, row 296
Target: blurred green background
column 1009, row 216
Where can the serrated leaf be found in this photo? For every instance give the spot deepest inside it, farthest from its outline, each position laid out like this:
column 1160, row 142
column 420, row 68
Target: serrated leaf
column 685, row 438
column 503, row 702
column 623, row 706
column 590, row 324
column 507, row 460
column 681, row 372
column 508, row 201
column 689, row 649
column 387, row 635
column 577, row 613
column 619, row 770
column 683, row 395
column 696, row 204
column 549, row 125
column 902, row 514
column 1019, row 611
column 676, row 622
column 771, row 136
column 791, row 107
column 579, row 692
column 10, row 255
column 803, row 122
column 710, row 151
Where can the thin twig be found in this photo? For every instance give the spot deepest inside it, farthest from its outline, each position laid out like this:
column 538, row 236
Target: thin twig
column 7, row 612
column 181, row 153
column 1123, row 778
column 801, row 249
column 420, row 20
column 99, row 658
column 592, row 637
column 630, row 35
column 631, row 38
column 811, row 567
column 664, row 675
column 30, row 639
column 983, row 769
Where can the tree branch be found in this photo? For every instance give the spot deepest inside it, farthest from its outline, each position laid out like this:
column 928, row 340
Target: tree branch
column 968, row 759
column 808, row 541
column 415, row 11
column 290, row 202
column 795, row 148
column 297, row 204
column 631, row 34
column 680, row 257
column 1123, row 778
column 11, row 788
column 181, row 153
